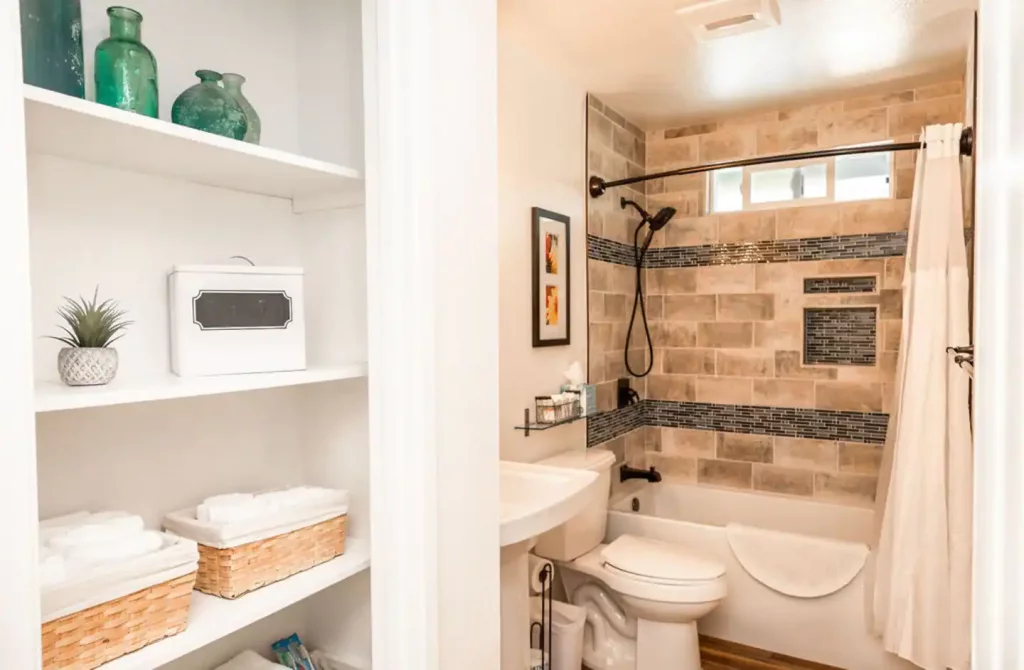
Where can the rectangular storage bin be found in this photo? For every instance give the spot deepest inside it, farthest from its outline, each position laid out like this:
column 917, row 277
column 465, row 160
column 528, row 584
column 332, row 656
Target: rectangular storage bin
column 91, row 637
column 233, row 319
column 230, row 573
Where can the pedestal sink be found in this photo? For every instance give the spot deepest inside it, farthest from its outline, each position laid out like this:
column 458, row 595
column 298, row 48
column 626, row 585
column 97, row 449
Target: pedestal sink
column 534, row 499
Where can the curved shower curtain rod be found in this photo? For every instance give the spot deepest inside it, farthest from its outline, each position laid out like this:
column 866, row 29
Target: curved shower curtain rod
column 598, row 185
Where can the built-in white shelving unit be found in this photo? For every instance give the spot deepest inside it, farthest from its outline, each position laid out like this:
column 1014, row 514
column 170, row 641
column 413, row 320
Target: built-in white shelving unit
column 115, row 201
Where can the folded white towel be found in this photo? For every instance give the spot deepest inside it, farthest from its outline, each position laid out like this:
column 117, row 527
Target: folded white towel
column 52, row 569
column 117, row 549
column 129, row 523
column 249, row 660
column 108, row 530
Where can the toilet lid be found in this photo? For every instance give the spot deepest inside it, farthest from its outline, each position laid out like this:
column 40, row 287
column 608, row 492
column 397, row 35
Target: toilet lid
column 659, row 560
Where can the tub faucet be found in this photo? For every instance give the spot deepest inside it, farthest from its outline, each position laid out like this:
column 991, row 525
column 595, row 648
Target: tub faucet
column 627, row 473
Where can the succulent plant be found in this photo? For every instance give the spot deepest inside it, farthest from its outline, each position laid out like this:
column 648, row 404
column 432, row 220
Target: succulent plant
column 91, row 324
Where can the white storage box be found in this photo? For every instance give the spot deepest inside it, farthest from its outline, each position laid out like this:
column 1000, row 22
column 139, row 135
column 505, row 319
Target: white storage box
column 232, row 319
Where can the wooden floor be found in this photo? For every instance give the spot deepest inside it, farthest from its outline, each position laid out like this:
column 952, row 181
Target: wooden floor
column 721, row 655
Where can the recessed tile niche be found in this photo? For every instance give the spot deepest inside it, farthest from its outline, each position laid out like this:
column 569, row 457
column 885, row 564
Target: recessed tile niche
column 840, row 335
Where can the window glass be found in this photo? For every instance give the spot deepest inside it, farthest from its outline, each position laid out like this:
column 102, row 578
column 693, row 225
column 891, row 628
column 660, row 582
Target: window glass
column 790, row 183
column 863, row 177
column 727, row 190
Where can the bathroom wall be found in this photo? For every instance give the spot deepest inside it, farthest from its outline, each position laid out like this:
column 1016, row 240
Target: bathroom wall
column 541, row 148
column 745, row 394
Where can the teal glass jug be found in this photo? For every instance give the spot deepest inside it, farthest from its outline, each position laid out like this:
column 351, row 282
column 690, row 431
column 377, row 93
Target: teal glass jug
column 126, row 74
column 233, row 85
column 51, row 45
column 208, row 107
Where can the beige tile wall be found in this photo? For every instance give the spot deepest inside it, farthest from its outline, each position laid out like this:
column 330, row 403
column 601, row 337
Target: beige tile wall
column 616, row 149
column 734, row 334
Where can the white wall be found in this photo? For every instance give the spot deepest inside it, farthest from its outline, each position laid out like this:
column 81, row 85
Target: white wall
column 541, row 163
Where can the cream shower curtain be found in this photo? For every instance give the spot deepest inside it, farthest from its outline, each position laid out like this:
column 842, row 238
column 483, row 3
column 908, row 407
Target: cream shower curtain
column 920, row 603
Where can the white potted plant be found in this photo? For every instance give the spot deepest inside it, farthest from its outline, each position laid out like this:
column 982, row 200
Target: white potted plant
column 91, row 327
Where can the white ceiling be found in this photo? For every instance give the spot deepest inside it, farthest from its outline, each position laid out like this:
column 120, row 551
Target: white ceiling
column 640, row 58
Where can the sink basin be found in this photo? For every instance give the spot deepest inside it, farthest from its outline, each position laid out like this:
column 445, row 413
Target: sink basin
column 536, row 498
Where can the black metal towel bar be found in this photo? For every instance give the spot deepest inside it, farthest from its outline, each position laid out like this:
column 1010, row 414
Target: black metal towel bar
column 598, row 185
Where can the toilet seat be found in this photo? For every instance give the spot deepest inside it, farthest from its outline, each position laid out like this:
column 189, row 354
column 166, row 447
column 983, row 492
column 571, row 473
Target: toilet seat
column 656, row 571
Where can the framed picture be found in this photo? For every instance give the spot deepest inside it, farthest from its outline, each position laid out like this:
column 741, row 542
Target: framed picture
column 550, row 278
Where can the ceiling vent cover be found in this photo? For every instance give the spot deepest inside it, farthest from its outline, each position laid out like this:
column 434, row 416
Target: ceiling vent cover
column 714, row 19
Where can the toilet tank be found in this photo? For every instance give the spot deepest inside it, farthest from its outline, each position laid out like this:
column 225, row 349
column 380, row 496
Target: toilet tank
column 585, row 531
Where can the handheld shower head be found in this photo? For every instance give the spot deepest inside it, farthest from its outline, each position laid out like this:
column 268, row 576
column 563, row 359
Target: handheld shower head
column 661, row 219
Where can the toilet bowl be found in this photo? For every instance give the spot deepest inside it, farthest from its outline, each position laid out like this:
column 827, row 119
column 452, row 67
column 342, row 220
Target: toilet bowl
column 643, row 597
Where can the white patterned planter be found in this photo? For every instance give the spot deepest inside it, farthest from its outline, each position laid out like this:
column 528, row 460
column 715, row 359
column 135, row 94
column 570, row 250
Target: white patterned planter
column 87, row 367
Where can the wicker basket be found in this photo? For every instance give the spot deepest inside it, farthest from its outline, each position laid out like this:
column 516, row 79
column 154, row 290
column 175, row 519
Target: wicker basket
column 88, row 639
column 232, row 572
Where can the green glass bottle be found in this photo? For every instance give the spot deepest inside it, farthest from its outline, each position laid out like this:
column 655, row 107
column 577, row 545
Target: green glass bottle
column 51, row 45
column 233, row 85
column 208, row 107
column 126, row 75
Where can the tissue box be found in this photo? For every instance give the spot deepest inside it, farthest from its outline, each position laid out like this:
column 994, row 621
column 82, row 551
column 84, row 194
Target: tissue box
column 233, row 319
column 588, row 397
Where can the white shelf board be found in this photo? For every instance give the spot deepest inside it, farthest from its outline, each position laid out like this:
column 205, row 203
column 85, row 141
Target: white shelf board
column 211, row 618
column 81, row 130
column 55, row 396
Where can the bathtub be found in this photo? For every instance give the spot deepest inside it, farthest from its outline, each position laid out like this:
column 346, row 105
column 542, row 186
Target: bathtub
column 828, row 629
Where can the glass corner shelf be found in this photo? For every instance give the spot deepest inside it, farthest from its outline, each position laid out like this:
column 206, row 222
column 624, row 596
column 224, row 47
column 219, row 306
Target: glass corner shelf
column 528, row 426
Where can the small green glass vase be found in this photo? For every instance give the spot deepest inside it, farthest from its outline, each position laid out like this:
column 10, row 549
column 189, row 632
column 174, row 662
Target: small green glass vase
column 233, row 85
column 51, row 45
column 126, row 75
column 208, row 107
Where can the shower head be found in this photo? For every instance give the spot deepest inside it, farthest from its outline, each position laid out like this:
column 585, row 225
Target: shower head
column 661, row 219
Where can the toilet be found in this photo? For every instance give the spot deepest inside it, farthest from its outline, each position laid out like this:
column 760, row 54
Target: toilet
column 643, row 597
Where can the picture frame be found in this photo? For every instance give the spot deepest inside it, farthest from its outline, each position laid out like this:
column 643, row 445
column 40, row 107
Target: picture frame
column 551, row 271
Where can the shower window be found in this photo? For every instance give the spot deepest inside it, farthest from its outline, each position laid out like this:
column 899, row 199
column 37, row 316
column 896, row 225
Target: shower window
column 839, row 179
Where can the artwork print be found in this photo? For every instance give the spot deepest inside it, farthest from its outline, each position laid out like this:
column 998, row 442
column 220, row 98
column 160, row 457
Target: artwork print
column 550, row 282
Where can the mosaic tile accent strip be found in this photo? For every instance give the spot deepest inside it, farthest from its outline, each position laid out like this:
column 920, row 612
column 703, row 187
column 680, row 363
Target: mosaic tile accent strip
column 610, row 251
column 876, row 245
column 610, row 425
column 840, row 335
column 815, row 424
column 840, row 284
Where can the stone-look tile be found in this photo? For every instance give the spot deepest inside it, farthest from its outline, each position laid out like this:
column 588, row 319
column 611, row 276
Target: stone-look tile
column 599, row 129
column 624, row 144
column 861, row 459
column 614, row 365
column 794, row 452
column 690, row 308
column 607, row 396
column 723, row 390
column 789, row 365
column 671, row 387
column 894, row 268
column 652, row 438
column 655, row 306
column 746, row 307
column 674, row 469
column 637, row 358
column 941, row 90
column 687, row 442
column 600, row 275
column 725, row 279
column 636, row 454
column 688, row 361
column 852, row 266
column 746, row 227
column 596, row 370
column 909, row 119
column 729, row 144
column 755, row 118
column 674, row 334
column 783, row 277
column 842, row 300
column 679, row 152
column 655, row 186
column 741, row 447
column 668, row 281
column 691, row 232
column 783, row 393
column 879, row 100
column 617, row 447
column 686, row 131
column 789, row 481
column 848, row 397
column 893, row 333
column 854, row 127
column 884, row 370
column 887, row 398
column 816, row 221
column 732, row 474
column 594, row 102
column 744, row 363
column 811, row 112
column 858, row 490
column 876, row 216
column 787, row 136
column 595, row 306
column 685, row 182
column 600, row 337
column 891, row 304
column 904, row 187
column 617, row 306
column 778, row 334
column 725, row 335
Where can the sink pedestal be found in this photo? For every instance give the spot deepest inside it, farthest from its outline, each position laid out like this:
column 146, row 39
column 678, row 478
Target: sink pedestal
column 515, row 605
